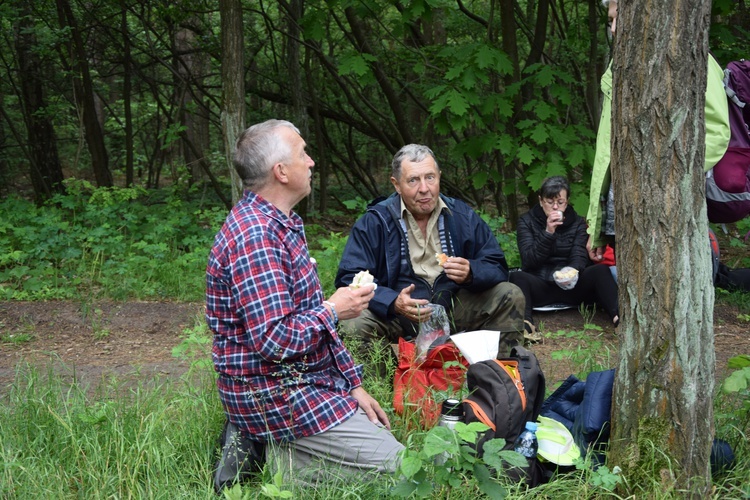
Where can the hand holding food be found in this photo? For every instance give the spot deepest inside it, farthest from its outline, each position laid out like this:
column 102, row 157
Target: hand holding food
column 441, row 258
column 361, row 279
column 566, row 278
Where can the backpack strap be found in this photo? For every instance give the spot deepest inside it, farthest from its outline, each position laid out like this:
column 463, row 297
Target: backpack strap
column 731, row 94
column 523, row 355
column 481, row 415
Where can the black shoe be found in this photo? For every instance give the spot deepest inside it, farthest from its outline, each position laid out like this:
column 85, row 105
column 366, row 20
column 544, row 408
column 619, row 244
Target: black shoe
column 241, row 457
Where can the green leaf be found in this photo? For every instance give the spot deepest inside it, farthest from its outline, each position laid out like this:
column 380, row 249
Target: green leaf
column 525, row 154
column 487, row 484
column 540, row 135
column 355, row 64
column 457, row 103
column 410, row 466
column 506, row 144
column 737, row 381
column 424, row 489
column 479, row 180
column 404, row 488
column 740, row 361
column 486, row 56
column 455, row 72
column 437, row 442
column 513, row 458
column 544, row 111
column 577, row 155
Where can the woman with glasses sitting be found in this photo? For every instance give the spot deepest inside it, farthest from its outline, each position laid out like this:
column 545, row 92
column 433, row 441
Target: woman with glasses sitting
column 555, row 264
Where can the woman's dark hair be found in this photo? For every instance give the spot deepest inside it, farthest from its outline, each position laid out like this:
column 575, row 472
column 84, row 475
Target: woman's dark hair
column 552, row 186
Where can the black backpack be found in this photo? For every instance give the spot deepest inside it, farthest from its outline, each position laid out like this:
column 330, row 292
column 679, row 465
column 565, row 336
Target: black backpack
column 504, row 394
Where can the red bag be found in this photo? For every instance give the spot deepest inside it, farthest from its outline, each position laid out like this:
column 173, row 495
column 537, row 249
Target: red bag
column 415, row 384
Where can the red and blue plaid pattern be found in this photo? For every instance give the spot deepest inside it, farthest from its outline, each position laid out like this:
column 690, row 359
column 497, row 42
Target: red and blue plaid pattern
column 284, row 372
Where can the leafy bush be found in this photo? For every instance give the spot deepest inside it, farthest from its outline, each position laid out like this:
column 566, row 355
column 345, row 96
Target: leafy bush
column 121, row 243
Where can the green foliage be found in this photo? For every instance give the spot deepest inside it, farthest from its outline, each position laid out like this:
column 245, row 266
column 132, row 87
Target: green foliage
column 358, row 205
column 326, row 250
column 738, row 382
column 447, row 461
column 111, row 242
column 728, row 39
column 586, row 348
column 601, row 476
column 507, row 240
column 195, row 345
column 276, row 488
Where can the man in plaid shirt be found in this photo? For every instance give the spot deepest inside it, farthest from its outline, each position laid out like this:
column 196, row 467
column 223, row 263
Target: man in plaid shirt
column 285, row 378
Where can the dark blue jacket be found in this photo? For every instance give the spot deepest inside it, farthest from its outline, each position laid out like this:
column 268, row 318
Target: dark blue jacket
column 375, row 244
column 584, row 408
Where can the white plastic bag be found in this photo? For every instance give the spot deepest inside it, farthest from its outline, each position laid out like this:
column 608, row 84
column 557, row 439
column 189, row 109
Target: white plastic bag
column 566, row 278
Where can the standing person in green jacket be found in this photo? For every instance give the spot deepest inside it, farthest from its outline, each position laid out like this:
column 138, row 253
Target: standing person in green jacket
column 601, row 216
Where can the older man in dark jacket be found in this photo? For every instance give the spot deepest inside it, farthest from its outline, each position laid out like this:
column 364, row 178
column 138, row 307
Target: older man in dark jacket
column 425, row 248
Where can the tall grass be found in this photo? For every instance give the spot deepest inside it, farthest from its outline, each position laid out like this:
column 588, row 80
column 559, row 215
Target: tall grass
column 155, row 439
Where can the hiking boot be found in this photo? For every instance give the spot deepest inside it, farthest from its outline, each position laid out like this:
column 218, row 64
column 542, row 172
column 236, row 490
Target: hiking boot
column 240, row 458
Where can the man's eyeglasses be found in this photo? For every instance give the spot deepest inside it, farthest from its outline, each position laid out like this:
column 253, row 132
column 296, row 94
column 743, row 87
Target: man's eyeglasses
column 551, row 203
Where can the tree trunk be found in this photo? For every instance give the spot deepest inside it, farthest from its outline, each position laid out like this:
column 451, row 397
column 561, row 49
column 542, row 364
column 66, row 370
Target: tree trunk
column 45, row 169
column 593, row 67
column 126, row 96
column 510, row 47
column 662, row 417
column 233, row 84
column 84, row 92
column 191, row 66
column 293, row 11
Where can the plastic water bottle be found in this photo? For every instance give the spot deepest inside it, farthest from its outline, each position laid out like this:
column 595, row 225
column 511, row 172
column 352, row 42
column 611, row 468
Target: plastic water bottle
column 451, row 412
column 527, row 444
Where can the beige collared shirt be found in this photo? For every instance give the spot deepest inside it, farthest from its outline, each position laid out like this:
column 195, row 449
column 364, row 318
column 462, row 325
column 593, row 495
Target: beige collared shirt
column 422, row 250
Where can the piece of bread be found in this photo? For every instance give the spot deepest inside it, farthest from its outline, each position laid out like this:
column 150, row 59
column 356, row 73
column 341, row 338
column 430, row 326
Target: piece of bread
column 441, row 258
column 361, row 279
column 565, row 275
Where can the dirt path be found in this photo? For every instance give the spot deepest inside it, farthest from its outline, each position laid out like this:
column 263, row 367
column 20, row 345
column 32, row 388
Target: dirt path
column 135, row 339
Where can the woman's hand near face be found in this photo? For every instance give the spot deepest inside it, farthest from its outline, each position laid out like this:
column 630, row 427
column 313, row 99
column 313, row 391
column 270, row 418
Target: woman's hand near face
column 554, row 219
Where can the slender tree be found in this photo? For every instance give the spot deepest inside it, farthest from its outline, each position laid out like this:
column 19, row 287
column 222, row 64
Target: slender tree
column 662, row 411
column 83, row 86
column 45, row 168
column 233, row 84
column 126, row 94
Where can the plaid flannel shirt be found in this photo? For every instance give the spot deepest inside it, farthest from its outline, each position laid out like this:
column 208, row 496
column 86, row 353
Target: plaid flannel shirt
column 284, row 372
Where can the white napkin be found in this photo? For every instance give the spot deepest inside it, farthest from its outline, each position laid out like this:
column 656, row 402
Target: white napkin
column 478, row 345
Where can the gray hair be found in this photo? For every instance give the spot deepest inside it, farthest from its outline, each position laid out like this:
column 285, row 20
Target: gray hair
column 553, row 186
column 258, row 149
column 606, row 2
column 413, row 153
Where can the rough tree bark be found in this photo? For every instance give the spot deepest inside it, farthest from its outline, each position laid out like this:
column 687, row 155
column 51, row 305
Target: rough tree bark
column 662, row 413
column 233, row 84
